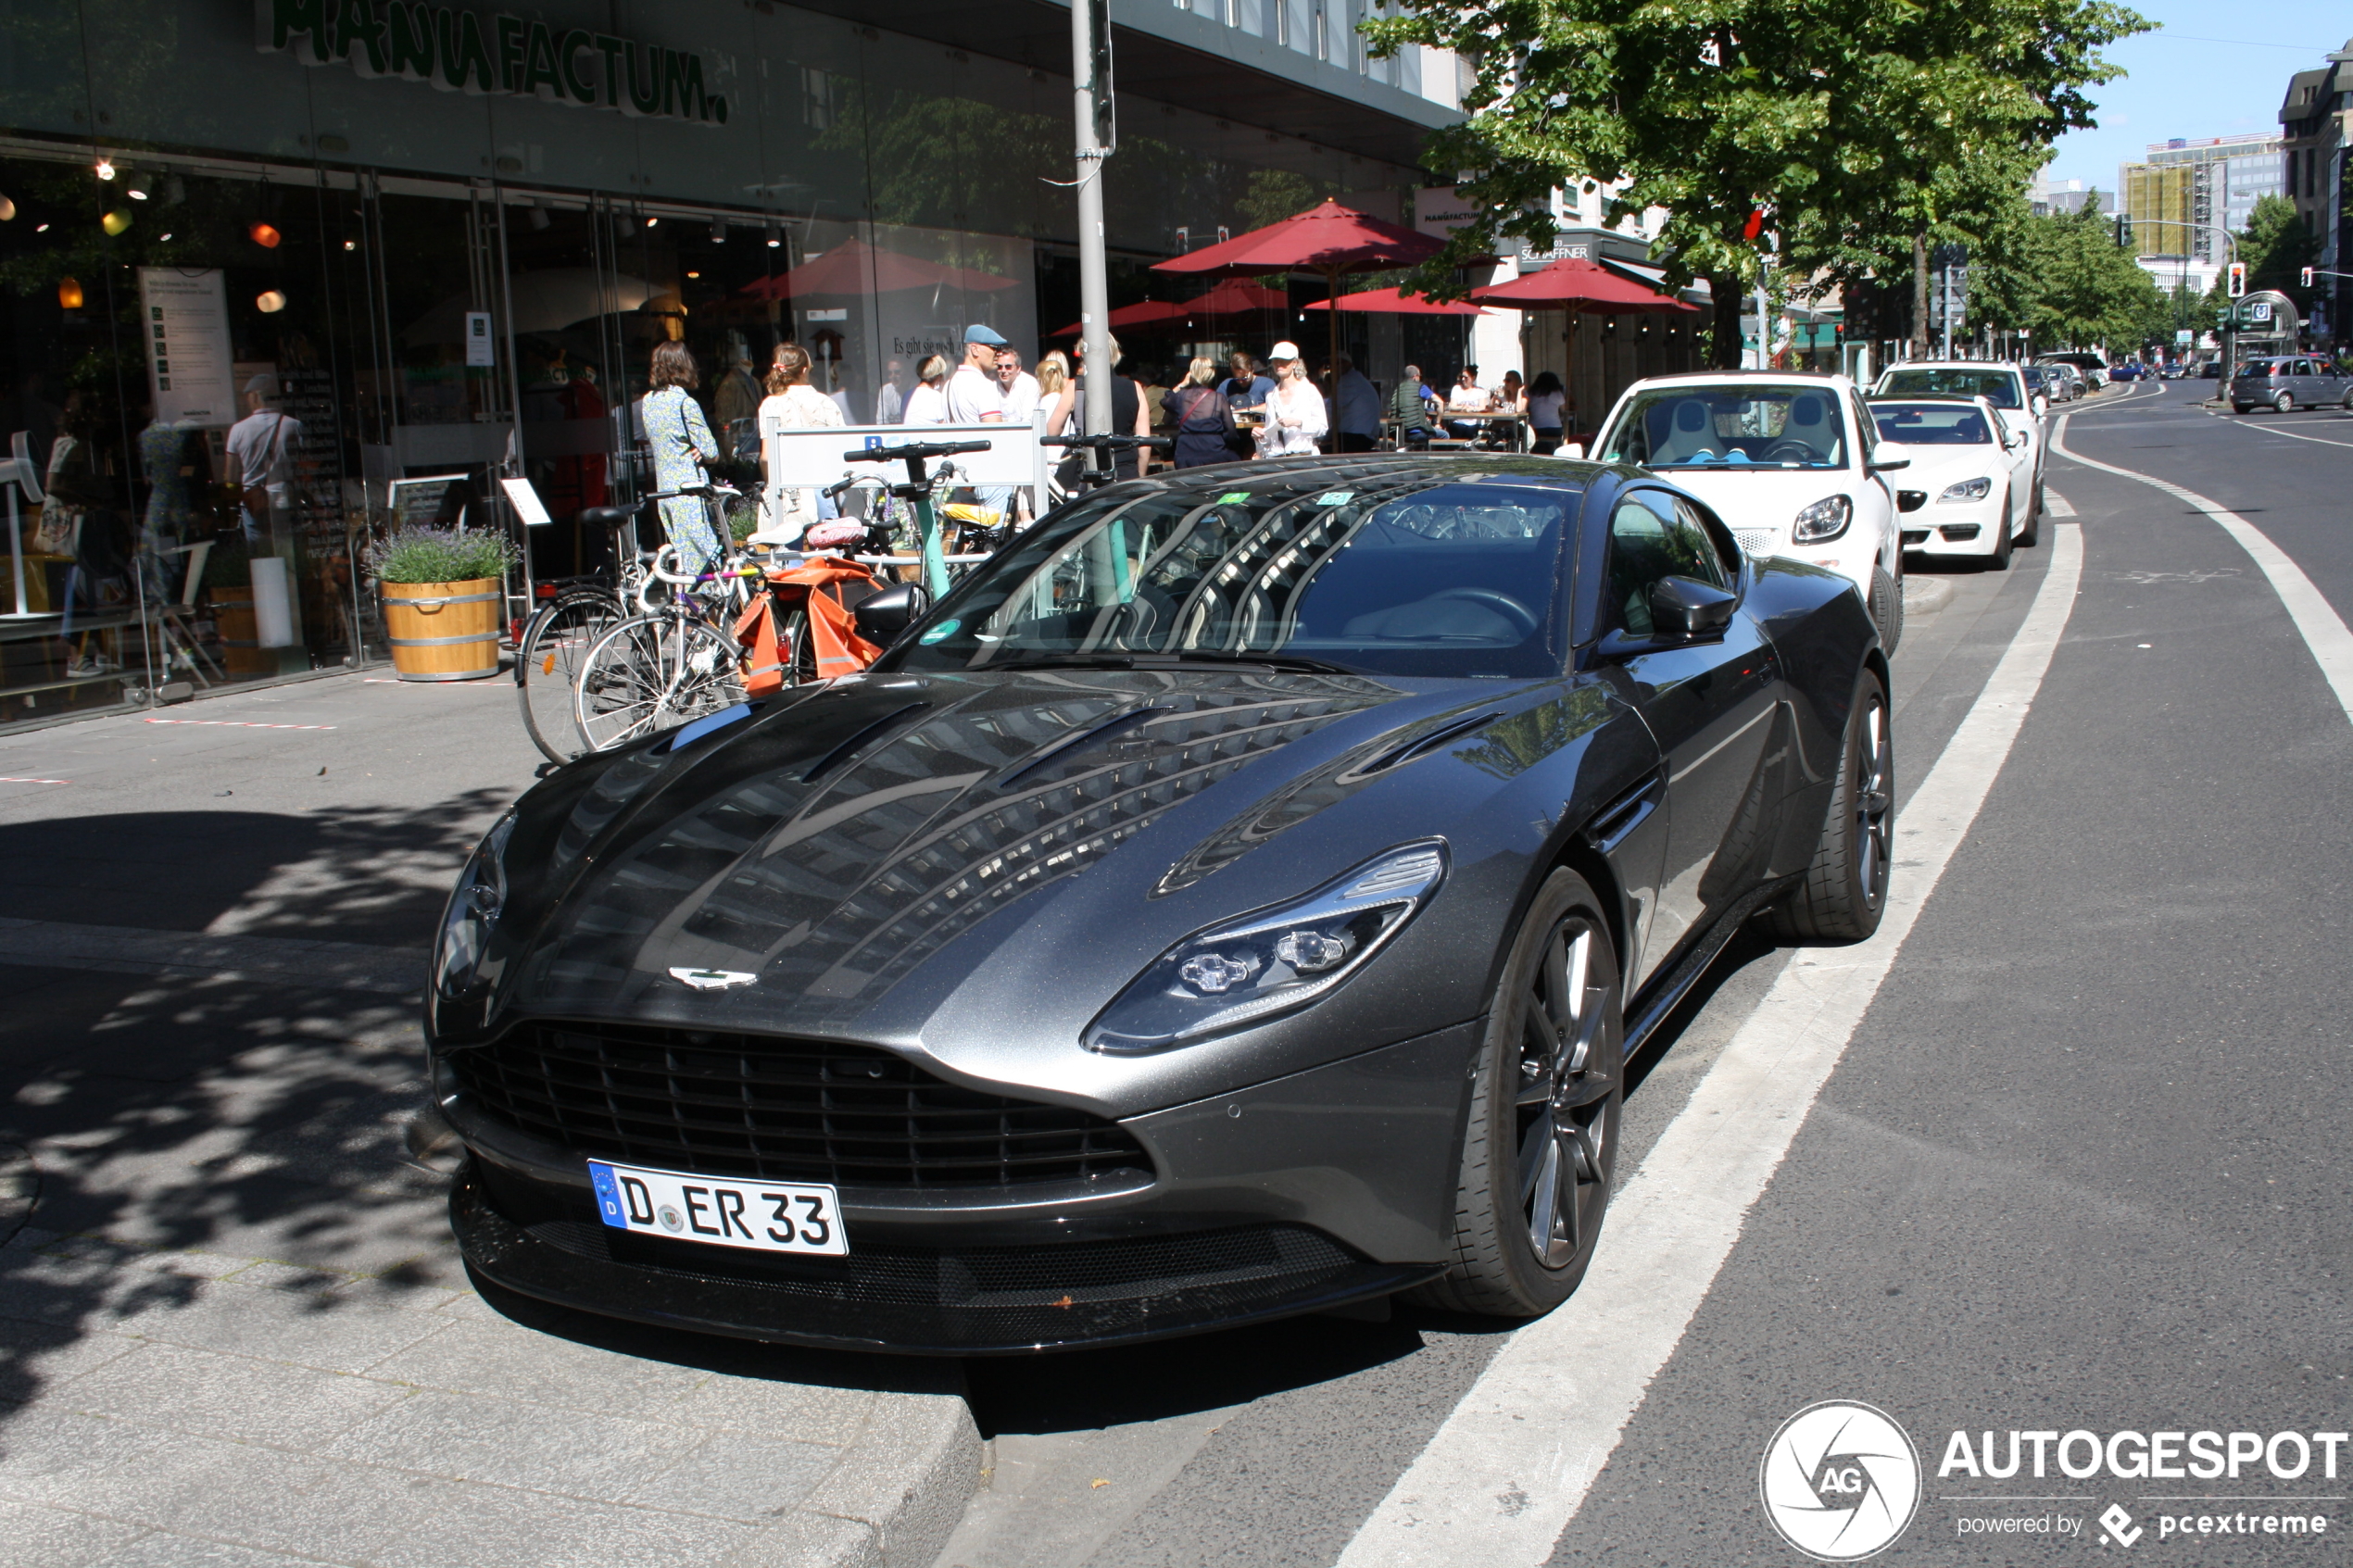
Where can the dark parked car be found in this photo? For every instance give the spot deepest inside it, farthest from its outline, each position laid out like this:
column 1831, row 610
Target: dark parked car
column 2288, row 381
column 1238, row 898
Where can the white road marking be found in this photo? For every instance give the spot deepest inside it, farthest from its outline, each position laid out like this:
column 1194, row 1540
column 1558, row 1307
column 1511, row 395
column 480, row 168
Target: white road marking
column 2055, row 504
column 2316, row 620
column 35, row 780
column 2266, row 428
column 240, row 724
column 1510, row 1467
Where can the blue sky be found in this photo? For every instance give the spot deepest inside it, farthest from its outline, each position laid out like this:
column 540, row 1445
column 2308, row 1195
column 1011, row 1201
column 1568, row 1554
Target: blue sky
column 2210, row 70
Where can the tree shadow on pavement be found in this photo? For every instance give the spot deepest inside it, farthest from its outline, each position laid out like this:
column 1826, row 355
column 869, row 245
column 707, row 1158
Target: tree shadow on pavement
column 179, row 1123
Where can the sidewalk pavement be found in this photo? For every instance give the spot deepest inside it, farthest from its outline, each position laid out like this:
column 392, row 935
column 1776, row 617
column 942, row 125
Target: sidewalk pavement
column 232, row 1327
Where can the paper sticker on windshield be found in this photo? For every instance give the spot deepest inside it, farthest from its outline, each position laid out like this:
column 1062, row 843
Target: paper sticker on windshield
column 940, row 633
column 1334, row 497
column 1231, row 496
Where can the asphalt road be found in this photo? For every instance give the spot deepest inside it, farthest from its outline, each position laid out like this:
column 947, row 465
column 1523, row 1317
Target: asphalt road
column 2078, row 1167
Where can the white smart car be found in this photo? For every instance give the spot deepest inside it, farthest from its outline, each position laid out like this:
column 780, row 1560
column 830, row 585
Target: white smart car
column 1971, row 488
column 1785, row 459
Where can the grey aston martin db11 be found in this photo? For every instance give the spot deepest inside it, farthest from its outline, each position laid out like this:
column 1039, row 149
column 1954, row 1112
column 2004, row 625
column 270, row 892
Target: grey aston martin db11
column 1238, row 898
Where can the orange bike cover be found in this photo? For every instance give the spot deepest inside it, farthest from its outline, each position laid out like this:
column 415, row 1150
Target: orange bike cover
column 833, row 634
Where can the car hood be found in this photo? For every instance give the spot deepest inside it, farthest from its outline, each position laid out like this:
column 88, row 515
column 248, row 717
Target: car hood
column 838, row 848
column 1762, row 497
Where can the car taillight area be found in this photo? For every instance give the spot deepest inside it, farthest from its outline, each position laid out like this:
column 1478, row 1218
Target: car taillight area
column 776, row 1109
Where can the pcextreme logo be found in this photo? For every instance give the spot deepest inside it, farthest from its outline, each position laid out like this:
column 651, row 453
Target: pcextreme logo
column 1840, row 1481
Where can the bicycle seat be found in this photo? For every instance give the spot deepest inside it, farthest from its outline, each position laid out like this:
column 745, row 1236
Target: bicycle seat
column 608, row 517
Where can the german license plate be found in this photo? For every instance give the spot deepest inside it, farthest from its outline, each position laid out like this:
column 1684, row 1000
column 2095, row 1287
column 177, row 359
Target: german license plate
column 720, row 1211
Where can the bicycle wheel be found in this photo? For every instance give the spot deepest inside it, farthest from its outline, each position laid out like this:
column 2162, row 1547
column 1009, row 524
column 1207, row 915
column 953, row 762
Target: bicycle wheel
column 651, row 674
column 555, row 646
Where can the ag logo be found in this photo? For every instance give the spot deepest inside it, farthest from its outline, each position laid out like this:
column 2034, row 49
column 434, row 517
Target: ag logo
column 1840, row 1481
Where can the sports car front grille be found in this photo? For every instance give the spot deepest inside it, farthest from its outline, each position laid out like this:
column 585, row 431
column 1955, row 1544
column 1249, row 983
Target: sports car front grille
column 1758, row 541
column 777, row 1110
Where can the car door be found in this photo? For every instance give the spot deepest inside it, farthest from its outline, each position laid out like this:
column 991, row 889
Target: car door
column 1710, row 704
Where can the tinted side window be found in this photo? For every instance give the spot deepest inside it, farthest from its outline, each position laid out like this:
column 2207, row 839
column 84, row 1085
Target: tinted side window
column 1650, row 538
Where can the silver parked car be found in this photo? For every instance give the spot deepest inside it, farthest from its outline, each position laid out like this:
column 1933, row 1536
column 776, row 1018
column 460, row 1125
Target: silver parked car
column 2288, row 381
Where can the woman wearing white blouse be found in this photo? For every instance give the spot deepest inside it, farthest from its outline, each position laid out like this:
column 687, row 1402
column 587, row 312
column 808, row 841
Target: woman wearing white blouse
column 794, row 404
column 1295, row 417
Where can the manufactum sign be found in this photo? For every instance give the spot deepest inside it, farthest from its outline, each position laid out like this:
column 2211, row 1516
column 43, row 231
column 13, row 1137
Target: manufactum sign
column 457, row 52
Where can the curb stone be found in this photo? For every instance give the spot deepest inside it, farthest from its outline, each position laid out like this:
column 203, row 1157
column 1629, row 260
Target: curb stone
column 1926, row 596
column 891, row 1502
column 20, row 1182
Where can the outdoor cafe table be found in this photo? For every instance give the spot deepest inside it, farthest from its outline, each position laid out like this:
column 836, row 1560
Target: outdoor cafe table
column 1515, row 427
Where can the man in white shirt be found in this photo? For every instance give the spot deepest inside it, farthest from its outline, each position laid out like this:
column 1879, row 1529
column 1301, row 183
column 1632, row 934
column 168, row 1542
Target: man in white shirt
column 1020, row 387
column 974, row 395
column 261, row 444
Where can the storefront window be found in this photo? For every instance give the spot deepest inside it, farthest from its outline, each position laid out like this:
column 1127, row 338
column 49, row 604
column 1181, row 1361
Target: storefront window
column 316, row 274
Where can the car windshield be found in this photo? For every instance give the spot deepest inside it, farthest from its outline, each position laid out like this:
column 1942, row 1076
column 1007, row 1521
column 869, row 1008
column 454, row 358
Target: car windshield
column 1400, row 574
column 1729, row 427
column 1931, row 424
column 1997, row 387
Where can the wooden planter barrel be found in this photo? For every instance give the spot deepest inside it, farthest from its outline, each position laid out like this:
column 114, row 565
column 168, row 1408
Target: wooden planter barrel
column 443, row 631
column 241, row 651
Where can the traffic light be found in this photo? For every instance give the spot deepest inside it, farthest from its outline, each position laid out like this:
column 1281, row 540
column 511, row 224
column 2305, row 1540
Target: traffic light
column 2238, row 279
column 2308, row 277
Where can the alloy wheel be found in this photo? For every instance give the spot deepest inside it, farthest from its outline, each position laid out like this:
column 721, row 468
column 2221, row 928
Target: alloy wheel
column 1874, row 802
column 1567, row 1071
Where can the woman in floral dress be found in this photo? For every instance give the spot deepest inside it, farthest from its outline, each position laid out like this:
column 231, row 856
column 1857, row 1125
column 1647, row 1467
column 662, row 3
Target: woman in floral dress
column 682, row 440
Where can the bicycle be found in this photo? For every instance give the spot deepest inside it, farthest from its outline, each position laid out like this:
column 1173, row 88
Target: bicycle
column 555, row 640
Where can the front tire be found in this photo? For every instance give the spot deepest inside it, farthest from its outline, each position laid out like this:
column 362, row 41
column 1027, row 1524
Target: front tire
column 1887, row 605
column 2034, row 529
column 1845, row 890
column 1540, row 1152
column 2000, row 559
column 555, row 646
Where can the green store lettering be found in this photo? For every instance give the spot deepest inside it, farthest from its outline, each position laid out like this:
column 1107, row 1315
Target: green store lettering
column 416, row 41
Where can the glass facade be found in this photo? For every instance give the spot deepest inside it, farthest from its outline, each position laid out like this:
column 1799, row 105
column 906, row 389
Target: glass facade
column 263, row 262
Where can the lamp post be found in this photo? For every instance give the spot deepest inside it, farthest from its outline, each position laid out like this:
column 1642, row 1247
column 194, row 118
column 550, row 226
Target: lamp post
column 1091, row 79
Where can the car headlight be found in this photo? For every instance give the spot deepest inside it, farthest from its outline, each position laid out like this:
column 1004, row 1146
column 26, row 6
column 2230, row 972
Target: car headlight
column 1249, row 970
column 1823, row 521
column 1966, row 490
column 474, row 907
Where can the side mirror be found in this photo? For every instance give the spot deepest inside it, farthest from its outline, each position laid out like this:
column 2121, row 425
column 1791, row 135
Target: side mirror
column 1877, row 465
column 2042, row 407
column 880, row 618
column 1574, row 451
column 1684, row 606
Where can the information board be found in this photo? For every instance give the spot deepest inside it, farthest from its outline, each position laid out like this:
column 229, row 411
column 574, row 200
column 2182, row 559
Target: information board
column 806, row 459
column 191, row 369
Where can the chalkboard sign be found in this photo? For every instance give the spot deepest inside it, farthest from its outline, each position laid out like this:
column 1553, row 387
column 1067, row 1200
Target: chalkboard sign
column 437, row 501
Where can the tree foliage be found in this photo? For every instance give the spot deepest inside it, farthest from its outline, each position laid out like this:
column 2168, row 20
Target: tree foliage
column 2066, row 282
column 1855, row 125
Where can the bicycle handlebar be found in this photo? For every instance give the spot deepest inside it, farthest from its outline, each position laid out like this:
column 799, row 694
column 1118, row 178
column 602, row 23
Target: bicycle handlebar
column 916, row 449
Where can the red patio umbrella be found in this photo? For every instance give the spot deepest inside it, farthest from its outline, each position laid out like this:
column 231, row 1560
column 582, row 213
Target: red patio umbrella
column 1397, row 302
column 1579, row 285
column 1128, row 318
column 1236, row 296
column 855, row 266
column 1328, row 239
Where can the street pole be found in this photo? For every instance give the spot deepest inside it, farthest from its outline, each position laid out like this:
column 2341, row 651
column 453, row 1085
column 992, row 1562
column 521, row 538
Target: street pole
column 1091, row 78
